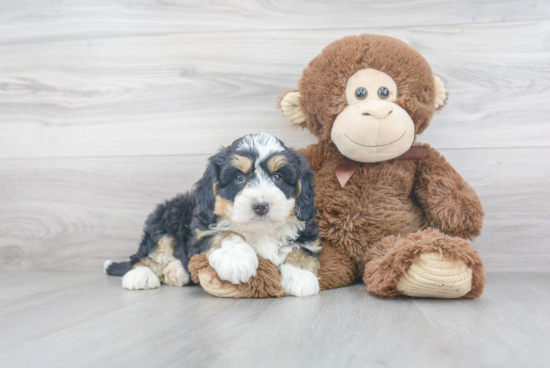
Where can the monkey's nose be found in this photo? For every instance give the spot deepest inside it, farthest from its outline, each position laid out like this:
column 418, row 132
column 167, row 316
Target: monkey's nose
column 376, row 109
column 260, row 208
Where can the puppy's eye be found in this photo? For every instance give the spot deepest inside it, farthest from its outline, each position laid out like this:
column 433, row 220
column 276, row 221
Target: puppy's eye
column 361, row 93
column 383, row 93
column 241, row 178
column 277, row 178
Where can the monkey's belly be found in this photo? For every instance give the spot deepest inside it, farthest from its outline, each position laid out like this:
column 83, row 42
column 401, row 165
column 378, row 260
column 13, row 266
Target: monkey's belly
column 375, row 203
column 357, row 225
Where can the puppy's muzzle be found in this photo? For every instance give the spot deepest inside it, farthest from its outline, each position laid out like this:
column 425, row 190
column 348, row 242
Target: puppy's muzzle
column 260, row 208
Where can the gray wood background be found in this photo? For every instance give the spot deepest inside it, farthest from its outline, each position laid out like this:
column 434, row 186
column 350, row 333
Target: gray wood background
column 109, row 107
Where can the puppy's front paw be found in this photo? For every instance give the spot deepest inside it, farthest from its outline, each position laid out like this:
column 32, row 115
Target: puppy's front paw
column 140, row 278
column 175, row 274
column 298, row 282
column 235, row 261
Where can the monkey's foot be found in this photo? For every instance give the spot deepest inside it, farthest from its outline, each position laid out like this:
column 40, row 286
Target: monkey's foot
column 427, row 263
column 436, row 276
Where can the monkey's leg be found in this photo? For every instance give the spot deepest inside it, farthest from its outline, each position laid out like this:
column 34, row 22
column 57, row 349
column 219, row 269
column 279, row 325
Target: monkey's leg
column 427, row 263
column 337, row 268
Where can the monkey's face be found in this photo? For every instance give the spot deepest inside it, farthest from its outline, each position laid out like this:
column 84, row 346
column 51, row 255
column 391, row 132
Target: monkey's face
column 372, row 127
column 348, row 96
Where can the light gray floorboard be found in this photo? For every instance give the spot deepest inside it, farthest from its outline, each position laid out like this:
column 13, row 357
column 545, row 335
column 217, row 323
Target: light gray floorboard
column 518, row 304
column 87, row 319
column 190, row 93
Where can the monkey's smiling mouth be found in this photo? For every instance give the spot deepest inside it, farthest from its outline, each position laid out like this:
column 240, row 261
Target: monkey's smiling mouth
column 381, row 145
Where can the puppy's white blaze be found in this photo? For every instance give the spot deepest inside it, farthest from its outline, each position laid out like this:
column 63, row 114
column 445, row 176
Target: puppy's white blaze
column 106, row 265
column 175, row 274
column 262, row 143
column 140, row 278
column 298, row 282
column 235, row 261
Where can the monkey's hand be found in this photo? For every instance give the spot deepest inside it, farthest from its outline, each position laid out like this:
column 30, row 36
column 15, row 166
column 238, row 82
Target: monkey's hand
column 449, row 202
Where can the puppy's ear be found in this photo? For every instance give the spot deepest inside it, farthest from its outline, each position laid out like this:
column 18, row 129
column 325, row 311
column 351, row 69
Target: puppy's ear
column 305, row 194
column 207, row 189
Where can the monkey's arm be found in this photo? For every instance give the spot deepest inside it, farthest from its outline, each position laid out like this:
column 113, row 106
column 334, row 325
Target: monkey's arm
column 448, row 201
column 315, row 155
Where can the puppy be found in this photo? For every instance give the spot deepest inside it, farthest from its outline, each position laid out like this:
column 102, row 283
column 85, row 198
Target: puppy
column 255, row 199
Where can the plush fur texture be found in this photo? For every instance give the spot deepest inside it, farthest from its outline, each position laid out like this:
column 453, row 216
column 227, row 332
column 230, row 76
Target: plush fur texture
column 254, row 199
column 388, row 260
column 389, row 212
column 338, row 269
column 265, row 284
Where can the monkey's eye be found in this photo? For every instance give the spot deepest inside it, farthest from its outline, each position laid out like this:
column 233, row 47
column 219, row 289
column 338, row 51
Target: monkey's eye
column 277, row 178
column 241, row 178
column 383, row 93
column 361, row 93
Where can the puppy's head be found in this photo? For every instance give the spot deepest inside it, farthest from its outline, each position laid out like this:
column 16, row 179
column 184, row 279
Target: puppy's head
column 257, row 184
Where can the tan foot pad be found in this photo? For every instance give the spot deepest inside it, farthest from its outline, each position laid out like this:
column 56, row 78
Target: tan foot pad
column 435, row 276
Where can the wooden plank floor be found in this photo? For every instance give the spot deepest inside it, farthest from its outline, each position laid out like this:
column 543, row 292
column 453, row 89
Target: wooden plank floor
column 54, row 318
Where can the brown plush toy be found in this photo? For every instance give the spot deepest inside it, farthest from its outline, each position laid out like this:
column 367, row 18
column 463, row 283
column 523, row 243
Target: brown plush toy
column 392, row 213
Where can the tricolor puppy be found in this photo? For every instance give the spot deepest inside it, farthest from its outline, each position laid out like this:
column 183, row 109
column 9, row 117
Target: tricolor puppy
column 255, row 199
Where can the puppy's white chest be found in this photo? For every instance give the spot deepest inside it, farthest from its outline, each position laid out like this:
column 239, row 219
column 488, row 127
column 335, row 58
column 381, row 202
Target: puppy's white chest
column 265, row 246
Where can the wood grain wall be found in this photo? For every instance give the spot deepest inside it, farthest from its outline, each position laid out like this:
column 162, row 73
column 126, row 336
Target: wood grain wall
column 109, row 107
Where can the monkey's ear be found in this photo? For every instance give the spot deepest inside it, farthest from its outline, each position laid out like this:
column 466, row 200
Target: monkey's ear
column 440, row 93
column 290, row 105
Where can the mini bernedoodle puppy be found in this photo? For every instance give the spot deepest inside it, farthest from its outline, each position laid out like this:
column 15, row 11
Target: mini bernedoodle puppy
column 255, row 199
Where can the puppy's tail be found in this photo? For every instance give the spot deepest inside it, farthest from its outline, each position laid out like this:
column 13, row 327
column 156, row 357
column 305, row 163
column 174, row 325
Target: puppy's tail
column 116, row 269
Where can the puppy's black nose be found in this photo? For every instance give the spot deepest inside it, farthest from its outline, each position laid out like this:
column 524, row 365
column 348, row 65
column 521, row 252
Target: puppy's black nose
column 260, row 208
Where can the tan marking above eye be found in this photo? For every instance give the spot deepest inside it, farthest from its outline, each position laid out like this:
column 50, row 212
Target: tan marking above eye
column 242, row 163
column 275, row 163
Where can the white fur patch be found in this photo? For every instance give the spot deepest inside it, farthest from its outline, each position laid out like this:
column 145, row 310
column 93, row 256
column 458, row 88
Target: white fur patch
column 106, row 265
column 235, row 261
column 298, row 282
column 262, row 143
column 270, row 243
column 174, row 274
column 140, row 278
